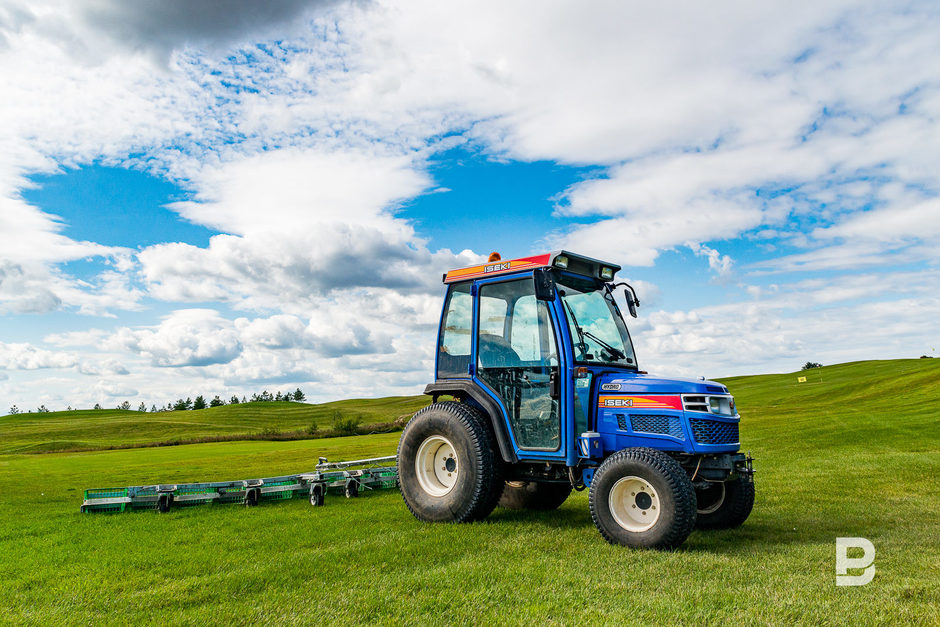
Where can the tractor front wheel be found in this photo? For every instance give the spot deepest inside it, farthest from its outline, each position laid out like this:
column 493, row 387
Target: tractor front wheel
column 448, row 470
column 643, row 498
column 725, row 505
column 534, row 495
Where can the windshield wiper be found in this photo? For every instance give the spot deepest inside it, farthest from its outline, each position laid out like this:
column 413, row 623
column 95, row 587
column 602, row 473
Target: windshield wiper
column 577, row 327
column 616, row 352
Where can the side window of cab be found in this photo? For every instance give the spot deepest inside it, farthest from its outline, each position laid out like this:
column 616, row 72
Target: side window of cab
column 453, row 351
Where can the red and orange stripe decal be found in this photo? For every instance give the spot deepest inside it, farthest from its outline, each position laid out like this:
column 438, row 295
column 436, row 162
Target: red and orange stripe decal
column 639, row 402
column 498, row 267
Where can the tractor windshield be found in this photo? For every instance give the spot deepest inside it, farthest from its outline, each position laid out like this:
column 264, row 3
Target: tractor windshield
column 598, row 333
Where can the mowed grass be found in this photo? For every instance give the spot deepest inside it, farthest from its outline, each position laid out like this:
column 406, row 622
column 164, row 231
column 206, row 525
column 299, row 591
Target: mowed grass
column 96, row 429
column 856, row 453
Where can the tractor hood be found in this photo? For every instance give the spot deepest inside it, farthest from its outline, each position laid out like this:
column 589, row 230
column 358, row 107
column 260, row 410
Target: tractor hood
column 650, row 384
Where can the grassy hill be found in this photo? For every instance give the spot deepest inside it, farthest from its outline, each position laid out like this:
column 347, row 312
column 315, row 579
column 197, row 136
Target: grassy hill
column 854, row 451
column 92, row 429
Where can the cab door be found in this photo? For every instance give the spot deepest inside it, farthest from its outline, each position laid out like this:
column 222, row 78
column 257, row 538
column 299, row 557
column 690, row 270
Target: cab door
column 517, row 361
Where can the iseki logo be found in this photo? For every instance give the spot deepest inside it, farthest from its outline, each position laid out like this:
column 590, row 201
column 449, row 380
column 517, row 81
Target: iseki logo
column 496, row 267
column 618, row 402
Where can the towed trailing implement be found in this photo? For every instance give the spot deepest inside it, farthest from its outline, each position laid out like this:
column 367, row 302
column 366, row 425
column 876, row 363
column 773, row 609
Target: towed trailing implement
column 348, row 478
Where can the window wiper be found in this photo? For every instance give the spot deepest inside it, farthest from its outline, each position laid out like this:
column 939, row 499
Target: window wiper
column 577, row 327
column 616, row 352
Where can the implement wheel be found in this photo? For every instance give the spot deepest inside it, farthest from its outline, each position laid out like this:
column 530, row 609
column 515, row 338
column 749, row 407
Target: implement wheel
column 534, row 495
column 448, row 470
column 643, row 498
column 317, row 495
column 725, row 505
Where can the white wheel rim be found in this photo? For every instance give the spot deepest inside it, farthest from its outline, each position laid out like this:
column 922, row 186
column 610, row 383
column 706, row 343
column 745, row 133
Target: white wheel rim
column 634, row 504
column 718, row 502
column 437, row 466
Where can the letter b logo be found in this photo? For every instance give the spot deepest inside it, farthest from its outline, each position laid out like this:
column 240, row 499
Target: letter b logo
column 844, row 562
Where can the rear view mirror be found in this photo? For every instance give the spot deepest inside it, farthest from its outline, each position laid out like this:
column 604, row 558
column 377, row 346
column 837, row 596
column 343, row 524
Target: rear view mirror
column 629, row 294
column 630, row 304
column 544, row 285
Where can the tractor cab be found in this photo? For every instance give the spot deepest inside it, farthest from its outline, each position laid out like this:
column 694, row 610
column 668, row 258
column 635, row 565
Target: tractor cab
column 525, row 337
column 537, row 356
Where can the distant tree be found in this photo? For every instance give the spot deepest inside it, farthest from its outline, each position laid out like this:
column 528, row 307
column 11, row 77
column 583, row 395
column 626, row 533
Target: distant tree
column 299, row 396
column 234, row 400
column 200, row 402
column 126, row 405
column 69, row 408
column 42, row 410
column 344, row 425
column 810, row 365
column 278, row 397
column 97, row 405
column 153, row 409
column 14, row 410
column 216, row 402
column 181, row 405
column 142, row 408
column 243, row 399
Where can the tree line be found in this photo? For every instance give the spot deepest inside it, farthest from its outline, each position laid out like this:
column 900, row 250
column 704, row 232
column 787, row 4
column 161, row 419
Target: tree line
column 199, row 402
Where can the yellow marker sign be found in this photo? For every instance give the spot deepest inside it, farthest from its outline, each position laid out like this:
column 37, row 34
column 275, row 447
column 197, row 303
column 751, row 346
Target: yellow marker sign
column 801, row 379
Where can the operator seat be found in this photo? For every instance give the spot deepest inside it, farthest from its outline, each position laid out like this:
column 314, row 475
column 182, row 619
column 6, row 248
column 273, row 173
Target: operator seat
column 496, row 352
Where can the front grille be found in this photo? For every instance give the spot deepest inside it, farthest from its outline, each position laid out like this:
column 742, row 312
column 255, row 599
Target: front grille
column 652, row 423
column 714, row 431
column 695, row 403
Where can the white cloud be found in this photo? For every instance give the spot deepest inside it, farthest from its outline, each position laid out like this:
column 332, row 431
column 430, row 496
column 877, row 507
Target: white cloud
column 717, row 263
column 24, row 356
column 304, row 224
column 103, row 367
column 187, row 337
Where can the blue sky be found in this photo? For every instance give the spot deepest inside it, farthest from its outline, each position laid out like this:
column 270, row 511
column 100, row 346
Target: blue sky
column 218, row 205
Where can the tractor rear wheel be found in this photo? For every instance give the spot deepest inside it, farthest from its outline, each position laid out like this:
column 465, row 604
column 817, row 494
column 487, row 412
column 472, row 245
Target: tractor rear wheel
column 725, row 505
column 448, row 469
column 534, row 495
column 641, row 497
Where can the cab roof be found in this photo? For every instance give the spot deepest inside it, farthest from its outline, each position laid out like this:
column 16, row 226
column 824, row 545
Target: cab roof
column 560, row 259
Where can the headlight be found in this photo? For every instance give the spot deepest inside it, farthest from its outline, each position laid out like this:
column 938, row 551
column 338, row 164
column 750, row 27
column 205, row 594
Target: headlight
column 720, row 405
column 561, row 262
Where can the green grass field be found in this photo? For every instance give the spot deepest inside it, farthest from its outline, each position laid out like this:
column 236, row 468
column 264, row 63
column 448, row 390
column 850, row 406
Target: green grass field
column 99, row 429
column 854, row 451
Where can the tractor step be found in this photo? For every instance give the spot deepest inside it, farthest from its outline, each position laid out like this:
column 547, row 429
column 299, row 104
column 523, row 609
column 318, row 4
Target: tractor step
column 347, row 477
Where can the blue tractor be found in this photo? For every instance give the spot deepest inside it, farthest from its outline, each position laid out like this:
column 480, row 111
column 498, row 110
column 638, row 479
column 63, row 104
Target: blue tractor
column 548, row 398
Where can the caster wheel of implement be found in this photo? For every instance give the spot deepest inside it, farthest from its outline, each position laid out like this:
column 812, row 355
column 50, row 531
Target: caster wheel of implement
column 641, row 497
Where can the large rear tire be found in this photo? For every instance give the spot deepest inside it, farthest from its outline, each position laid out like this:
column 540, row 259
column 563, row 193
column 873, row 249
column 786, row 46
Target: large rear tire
column 448, row 470
column 725, row 505
column 534, row 495
column 643, row 498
